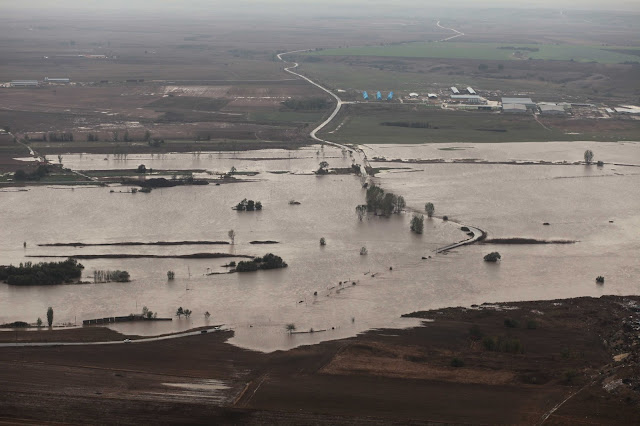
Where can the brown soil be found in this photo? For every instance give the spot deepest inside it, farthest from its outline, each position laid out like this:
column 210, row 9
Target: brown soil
column 381, row 376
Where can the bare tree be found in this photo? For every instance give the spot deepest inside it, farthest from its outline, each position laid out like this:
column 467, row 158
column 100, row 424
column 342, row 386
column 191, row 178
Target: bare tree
column 232, row 236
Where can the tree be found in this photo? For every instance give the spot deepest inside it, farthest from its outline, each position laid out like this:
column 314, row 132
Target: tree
column 20, row 175
column 492, row 257
column 291, row 327
column 361, row 211
column 483, row 67
column 323, row 242
column 323, row 169
column 39, row 322
column 430, row 209
column 364, row 251
column 588, row 156
column 180, row 312
column 171, row 275
column 388, row 203
column 141, row 169
column 232, row 236
column 147, row 136
column 417, row 223
column 60, row 159
column 258, row 205
column 400, row 204
column 50, row 316
column 187, row 313
column 207, row 314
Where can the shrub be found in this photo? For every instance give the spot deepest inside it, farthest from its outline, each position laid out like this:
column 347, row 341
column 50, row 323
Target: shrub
column 457, row 363
column 323, row 242
column 492, row 257
column 445, row 218
column 475, row 333
column 600, row 279
column 363, row 251
column 503, row 344
column 511, row 323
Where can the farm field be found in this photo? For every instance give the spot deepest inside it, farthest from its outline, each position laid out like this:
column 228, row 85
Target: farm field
column 493, row 51
column 362, row 124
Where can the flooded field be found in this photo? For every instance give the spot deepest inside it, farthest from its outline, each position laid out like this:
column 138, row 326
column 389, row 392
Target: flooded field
column 505, row 200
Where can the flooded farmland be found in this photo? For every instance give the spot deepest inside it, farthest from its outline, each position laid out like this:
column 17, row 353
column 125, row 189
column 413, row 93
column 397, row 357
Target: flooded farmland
column 597, row 207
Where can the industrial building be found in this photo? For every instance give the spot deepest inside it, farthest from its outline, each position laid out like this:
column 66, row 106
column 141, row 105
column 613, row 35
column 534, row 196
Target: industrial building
column 514, row 108
column 455, row 90
column 57, row 80
column 470, row 99
column 24, row 83
column 522, row 101
column 471, row 91
column 547, row 109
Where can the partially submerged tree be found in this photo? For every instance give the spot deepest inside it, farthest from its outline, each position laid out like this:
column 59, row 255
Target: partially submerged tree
column 50, row 316
column 364, row 251
column 323, row 242
column 180, row 312
column 430, row 209
column 232, row 236
column 361, row 211
column 291, row 327
column 492, row 257
column 417, row 223
column 588, row 156
column 39, row 322
column 323, row 169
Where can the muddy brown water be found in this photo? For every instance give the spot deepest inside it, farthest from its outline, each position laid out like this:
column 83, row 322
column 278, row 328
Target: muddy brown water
column 505, row 200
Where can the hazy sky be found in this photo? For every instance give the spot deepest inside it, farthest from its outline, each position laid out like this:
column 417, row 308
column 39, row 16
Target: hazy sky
column 255, row 5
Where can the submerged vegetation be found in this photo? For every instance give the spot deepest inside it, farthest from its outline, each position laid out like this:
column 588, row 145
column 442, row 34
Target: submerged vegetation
column 248, row 206
column 383, row 203
column 101, row 276
column 268, row 261
column 44, row 273
column 494, row 256
column 417, row 223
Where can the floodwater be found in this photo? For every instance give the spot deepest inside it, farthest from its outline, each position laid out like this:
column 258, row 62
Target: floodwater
column 505, row 200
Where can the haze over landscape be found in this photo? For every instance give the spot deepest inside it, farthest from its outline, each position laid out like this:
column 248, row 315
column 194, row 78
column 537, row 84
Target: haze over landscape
column 311, row 212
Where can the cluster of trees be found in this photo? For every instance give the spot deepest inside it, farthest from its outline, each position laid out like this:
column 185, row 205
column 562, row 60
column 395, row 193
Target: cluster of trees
column 91, row 137
column 58, row 137
column 411, row 124
column 186, row 312
column 148, row 314
column 383, row 203
column 248, row 205
column 268, row 261
column 37, row 174
column 102, row 276
column 171, row 275
column 155, row 142
column 44, row 273
column 311, row 104
column 503, row 344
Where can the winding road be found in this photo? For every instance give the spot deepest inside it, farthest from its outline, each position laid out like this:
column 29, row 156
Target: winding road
column 458, row 33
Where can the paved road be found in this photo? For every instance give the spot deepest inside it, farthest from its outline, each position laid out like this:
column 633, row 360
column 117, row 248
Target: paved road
column 477, row 233
column 112, row 342
column 339, row 103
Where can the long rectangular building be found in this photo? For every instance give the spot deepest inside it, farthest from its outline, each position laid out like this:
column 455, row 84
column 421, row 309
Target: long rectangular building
column 24, row 83
column 522, row 101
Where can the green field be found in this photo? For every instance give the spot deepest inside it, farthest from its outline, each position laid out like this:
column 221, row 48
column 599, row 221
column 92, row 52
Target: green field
column 491, row 51
column 362, row 124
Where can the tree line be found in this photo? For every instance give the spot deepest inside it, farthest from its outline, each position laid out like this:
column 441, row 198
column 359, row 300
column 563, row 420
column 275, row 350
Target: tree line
column 43, row 273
